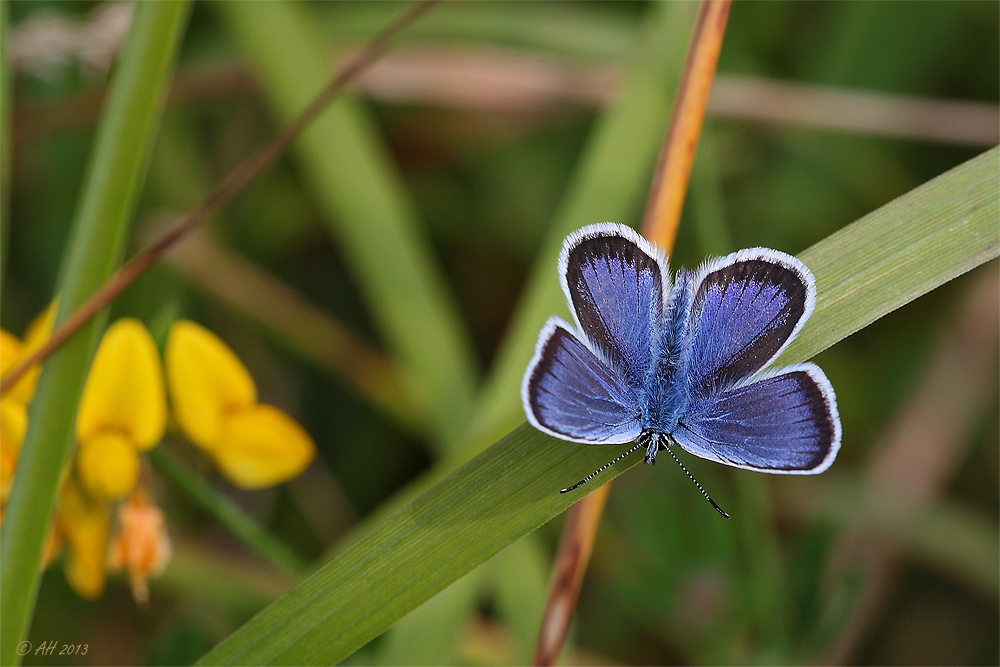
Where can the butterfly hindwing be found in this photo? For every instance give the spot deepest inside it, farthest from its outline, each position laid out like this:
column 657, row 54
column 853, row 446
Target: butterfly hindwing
column 570, row 393
column 615, row 282
column 782, row 423
column 746, row 308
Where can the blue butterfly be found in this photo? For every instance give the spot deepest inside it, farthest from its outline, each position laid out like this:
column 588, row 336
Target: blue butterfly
column 682, row 364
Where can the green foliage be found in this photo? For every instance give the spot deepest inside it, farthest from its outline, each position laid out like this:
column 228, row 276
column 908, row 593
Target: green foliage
column 404, row 243
column 368, row 213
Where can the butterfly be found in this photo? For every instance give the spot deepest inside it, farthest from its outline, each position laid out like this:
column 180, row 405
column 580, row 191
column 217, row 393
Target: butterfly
column 685, row 363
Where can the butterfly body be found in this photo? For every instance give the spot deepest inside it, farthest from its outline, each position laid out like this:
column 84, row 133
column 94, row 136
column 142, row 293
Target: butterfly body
column 663, row 363
column 666, row 395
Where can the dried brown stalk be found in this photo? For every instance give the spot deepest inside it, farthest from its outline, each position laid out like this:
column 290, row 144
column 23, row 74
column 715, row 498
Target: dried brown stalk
column 663, row 208
column 567, row 574
column 660, row 226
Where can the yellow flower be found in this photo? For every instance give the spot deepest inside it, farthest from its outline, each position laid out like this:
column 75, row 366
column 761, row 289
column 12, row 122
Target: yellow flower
column 141, row 543
column 14, row 402
column 124, row 390
column 37, row 333
column 215, row 403
column 123, row 410
column 83, row 523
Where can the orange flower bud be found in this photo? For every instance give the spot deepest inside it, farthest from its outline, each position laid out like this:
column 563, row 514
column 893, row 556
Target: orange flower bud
column 140, row 544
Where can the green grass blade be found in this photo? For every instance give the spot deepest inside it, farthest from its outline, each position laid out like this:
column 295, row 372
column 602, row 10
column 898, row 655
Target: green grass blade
column 429, row 635
column 227, row 513
column 611, row 181
column 367, row 210
column 913, row 244
column 587, row 31
column 114, row 176
column 512, row 488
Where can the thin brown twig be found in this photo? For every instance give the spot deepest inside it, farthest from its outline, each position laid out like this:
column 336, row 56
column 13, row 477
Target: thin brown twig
column 660, row 224
column 228, row 188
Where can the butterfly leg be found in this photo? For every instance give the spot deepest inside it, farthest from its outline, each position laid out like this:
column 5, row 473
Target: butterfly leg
column 653, row 442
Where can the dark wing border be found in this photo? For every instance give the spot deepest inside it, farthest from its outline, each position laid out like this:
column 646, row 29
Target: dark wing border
column 610, row 230
column 757, row 254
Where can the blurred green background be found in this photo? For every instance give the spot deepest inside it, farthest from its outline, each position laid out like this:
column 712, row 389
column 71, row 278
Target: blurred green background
column 484, row 111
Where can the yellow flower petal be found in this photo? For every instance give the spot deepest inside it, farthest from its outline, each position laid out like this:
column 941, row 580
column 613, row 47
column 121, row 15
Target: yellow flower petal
column 37, row 334
column 10, row 351
column 207, row 382
column 84, row 524
column 124, row 390
column 108, row 465
column 262, row 446
column 13, row 425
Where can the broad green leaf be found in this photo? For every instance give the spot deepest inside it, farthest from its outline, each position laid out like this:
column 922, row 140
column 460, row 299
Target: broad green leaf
column 950, row 225
column 115, row 174
column 367, row 211
column 428, row 636
column 908, row 247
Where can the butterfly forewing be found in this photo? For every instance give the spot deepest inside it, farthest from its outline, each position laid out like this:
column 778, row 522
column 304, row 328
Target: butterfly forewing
column 785, row 423
column 615, row 283
column 746, row 308
column 569, row 393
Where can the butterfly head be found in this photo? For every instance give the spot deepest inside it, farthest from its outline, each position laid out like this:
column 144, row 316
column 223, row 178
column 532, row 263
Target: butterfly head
column 653, row 441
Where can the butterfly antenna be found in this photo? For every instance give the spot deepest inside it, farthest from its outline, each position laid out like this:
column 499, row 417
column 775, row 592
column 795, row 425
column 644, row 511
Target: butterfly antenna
column 700, row 488
column 608, row 465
